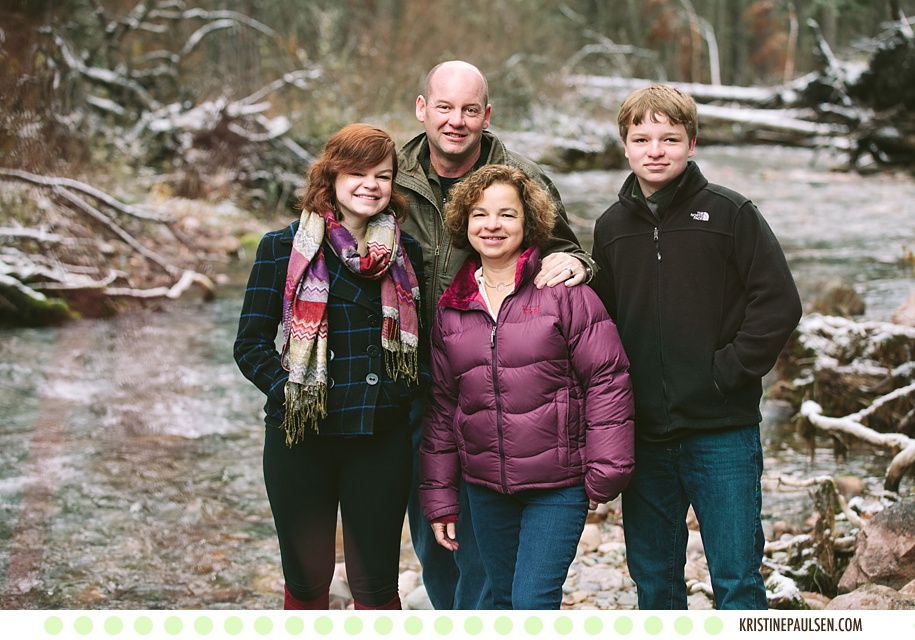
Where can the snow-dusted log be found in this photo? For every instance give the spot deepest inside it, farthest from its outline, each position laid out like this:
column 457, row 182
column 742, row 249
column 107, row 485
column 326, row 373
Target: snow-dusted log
column 903, row 462
column 143, row 213
column 860, row 107
column 853, row 517
column 12, row 283
column 48, row 274
column 188, row 278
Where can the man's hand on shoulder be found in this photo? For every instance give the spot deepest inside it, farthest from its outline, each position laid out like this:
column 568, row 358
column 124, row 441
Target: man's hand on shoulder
column 561, row 267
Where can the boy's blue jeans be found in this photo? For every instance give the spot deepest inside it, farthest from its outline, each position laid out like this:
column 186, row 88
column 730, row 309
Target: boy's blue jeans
column 719, row 473
column 527, row 541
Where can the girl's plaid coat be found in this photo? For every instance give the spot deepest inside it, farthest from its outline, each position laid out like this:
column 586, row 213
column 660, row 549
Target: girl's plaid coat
column 361, row 397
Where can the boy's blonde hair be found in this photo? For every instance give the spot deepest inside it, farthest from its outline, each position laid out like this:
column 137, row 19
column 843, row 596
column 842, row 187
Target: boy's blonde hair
column 659, row 99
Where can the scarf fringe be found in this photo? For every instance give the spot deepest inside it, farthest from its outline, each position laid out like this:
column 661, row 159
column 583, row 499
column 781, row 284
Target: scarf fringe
column 403, row 363
column 305, row 406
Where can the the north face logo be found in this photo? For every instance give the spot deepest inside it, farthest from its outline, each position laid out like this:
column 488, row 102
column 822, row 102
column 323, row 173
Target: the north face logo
column 699, row 215
column 529, row 310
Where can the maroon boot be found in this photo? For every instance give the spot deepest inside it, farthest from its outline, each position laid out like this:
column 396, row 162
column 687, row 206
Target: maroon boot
column 291, row 603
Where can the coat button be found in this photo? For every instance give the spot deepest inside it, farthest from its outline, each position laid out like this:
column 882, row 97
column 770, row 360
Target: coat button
column 373, row 350
column 373, row 320
column 330, row 355
column 372, row 378
column 330, row 383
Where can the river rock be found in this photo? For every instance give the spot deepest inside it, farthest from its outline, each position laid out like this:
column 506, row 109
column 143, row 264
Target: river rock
column 908, row 590
column 850, row 486
column 699, row 602
column 815, row 601
column 606, row 578
column 408, row 582
column 599, row 514
column 831, row 297
column 884, row 550
column 590, row 538
column 871, row 597
column 694, row 546
column 417, row 600
column 575, row 155
column 340, row 595
column 905, row 313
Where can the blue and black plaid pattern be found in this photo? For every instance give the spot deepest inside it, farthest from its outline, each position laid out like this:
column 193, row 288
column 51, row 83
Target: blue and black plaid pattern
column 358, row 386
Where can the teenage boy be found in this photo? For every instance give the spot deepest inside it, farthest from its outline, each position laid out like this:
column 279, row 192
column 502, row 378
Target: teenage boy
column 704, row 301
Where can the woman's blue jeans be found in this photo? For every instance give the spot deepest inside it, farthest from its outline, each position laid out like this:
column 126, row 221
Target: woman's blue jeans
column 719, row 473
column 527, row 541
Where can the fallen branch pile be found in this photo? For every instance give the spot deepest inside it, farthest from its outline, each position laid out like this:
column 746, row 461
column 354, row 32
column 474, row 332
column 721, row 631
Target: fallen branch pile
column 854, row 382
column 863, row 109
column 104, row 249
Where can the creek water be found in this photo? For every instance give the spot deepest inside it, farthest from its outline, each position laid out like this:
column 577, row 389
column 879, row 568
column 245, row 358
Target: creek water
column 130, row 448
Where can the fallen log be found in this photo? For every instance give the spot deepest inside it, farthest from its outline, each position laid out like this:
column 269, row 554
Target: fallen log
column 902, row 446
column 188, row 279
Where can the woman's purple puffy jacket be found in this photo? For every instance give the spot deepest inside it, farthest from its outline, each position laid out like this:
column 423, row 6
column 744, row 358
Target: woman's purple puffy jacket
column 540, row 399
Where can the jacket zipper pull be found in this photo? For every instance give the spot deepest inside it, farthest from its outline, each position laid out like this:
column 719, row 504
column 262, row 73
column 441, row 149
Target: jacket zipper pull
column 492, row 338
column 657, row 243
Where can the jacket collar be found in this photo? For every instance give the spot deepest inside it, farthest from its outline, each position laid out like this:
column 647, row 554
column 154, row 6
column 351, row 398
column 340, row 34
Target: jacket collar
column 415, row 153
column 464, row 290
column 691, row 182
column 289, row 232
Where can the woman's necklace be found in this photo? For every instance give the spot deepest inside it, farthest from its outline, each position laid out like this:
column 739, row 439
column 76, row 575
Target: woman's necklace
column 499, row 286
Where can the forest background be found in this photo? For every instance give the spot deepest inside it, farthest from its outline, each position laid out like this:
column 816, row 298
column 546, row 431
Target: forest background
column 111, row 111
column 146, row 144
column 366, row 59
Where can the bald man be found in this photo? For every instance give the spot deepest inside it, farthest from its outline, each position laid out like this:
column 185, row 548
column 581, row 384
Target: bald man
column 455, row 111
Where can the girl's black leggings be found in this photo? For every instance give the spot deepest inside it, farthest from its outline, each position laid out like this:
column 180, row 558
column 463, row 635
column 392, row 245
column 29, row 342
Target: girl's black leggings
column 369, row 478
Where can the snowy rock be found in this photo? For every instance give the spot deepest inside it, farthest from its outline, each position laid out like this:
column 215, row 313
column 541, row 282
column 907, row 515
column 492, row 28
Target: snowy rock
column 905, row 314
column 872, row 596
column 408, row 582
column 590, row 538
column 417, row 600
column 884, row 550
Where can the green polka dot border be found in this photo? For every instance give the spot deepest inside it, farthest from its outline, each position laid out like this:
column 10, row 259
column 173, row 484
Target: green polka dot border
column 441, row 625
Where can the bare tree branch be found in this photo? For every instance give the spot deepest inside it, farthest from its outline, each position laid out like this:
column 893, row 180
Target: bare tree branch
column 203, row 14
column 903, row 462
column 82, row 187
column 108, row 222
column 188, row 278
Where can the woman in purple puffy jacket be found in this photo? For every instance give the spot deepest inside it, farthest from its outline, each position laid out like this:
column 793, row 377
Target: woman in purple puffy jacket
column 531, row 405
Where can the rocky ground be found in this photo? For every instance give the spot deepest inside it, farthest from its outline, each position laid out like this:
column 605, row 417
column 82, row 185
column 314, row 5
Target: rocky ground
column 597, row 579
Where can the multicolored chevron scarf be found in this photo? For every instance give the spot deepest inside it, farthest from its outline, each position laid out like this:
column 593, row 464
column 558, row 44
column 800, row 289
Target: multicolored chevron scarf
column 305, row 310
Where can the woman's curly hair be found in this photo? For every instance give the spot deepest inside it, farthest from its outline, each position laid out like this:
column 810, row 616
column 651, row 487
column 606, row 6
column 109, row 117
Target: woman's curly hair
column 539, row 208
